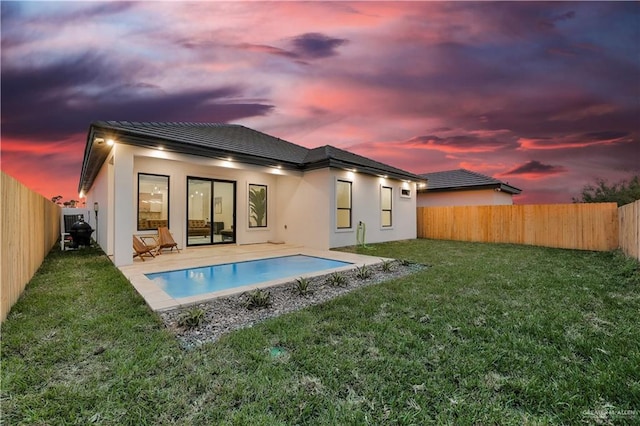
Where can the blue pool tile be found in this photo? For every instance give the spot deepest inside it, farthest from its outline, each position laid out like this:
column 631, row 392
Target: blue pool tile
column 209, row 279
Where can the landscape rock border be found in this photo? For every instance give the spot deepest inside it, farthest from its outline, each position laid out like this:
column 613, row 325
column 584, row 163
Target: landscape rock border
column 226, row 314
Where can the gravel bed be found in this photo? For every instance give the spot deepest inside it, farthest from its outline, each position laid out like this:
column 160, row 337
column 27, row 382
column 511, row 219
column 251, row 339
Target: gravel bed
column 226, row 314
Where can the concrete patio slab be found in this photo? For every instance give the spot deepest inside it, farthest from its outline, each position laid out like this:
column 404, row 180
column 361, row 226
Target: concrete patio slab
column 194, row 257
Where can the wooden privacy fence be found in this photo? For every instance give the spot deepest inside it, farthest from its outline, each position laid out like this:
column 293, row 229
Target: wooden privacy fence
column 573, row 226
column 629, row 223
column 29, row 228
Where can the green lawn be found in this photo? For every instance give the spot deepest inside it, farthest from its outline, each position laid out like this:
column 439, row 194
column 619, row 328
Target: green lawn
column 489, row 334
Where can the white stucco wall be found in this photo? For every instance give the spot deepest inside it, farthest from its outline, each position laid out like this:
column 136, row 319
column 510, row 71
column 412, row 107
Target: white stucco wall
column 478, row 197
column 100, row 193
column 180, row 167
column 366, row 207
column 301, row 207
column 302, row 212
column 123, row 204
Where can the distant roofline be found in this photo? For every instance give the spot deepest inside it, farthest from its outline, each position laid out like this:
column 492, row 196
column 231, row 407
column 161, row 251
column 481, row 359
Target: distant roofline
column 472, row 181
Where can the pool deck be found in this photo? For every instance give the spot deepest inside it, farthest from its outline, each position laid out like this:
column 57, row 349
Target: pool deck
column 193, row 257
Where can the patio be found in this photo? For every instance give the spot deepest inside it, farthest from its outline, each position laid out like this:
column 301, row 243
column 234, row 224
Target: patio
column 193, row 257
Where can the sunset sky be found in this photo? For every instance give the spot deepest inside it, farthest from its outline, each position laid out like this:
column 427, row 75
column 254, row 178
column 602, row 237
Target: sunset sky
column 544, row 96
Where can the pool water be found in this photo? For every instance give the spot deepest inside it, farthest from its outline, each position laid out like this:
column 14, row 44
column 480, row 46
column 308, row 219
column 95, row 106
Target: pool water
column 209, row 279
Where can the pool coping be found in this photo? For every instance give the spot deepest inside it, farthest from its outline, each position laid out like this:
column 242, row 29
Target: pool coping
column 158, row 300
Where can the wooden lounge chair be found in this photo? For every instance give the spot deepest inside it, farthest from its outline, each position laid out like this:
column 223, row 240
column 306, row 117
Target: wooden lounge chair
column 165, row 240
column 141, row 249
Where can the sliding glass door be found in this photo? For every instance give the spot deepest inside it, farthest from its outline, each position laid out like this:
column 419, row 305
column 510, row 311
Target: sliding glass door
column 211, row 211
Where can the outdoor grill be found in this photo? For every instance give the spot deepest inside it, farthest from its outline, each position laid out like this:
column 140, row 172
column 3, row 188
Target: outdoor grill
column 81, row 233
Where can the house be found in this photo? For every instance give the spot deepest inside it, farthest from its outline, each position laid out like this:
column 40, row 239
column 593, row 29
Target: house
column 228, row 184
column 464, row 188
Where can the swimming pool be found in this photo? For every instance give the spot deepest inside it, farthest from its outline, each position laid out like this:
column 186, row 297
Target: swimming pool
column 209, row 279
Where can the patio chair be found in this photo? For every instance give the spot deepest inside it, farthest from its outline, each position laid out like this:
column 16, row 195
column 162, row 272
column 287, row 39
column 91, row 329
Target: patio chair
column 165, row 240
column 141, row 249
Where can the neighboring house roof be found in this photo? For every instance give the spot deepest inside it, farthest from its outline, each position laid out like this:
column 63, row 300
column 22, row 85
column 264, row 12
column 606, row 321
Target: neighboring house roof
column 222, row 141
column 462, row 179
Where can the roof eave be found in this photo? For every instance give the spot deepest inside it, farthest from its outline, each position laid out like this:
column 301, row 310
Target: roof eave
column 93, row 159
column 96, row 152
column 510, row 189
column 501, row 186
column 359, row 168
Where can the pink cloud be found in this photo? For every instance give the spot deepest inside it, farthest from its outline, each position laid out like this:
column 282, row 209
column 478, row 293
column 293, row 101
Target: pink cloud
column 66, row 147
column 574, row 141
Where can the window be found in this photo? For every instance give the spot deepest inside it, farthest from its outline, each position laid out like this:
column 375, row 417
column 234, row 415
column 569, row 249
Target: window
column 405, row 192
column 153, row 201
column 257, row 206
column 386, row 205
column 343, row 204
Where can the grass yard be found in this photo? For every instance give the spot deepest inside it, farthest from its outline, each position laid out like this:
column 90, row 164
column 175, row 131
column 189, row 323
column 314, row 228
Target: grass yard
column 490, row 334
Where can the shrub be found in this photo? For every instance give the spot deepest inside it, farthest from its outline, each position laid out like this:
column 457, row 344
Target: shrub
column 259, row 299
column 191, row 318
column 337, row 279
column 363, row 272
column 386, row 266
column 302, row 286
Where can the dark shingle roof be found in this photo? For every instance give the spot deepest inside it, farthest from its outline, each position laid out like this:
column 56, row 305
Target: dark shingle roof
column 459, row 179
column 231, row 138
column 220, row 141
column 345, row 159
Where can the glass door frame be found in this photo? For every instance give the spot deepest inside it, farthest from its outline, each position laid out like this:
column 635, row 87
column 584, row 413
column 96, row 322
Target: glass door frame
column 212, row 182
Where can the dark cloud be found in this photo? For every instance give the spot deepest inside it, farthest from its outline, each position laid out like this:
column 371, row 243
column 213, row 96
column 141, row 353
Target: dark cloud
column 605, row 135
column 535, row 167
column 268, row 49
column 550, row 23
column 461, row 143
column 316, row 45
column 14, row 20
column 9, row 10
column 305, row 46
column 103, row 9
column 194, row 43
column 51, row 102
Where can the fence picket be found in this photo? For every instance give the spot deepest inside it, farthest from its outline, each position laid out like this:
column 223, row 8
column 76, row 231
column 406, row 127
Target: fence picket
column 573, row 226
column 29, row 228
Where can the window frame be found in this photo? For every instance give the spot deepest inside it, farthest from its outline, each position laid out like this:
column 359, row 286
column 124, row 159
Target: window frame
column 383, row 210
column 251, row 186
column 140, row 175
column 349, row 209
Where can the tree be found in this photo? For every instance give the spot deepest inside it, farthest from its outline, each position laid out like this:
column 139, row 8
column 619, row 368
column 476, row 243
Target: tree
column 623, row 192
column 56, row 199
